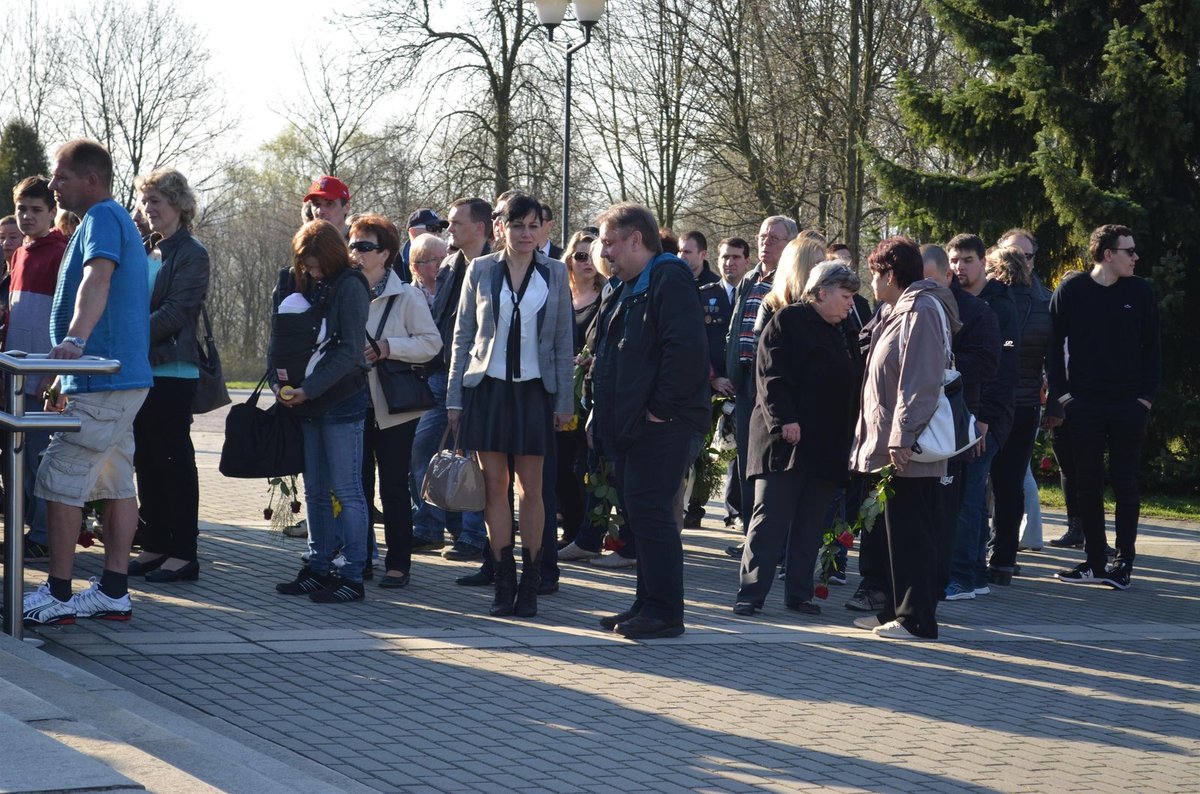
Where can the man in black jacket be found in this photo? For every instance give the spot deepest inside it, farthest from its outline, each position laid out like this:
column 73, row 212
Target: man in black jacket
column 651, row 407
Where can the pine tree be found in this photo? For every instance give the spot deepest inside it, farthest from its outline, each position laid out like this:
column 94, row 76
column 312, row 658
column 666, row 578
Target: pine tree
column 1082, row 113
column 21, row 155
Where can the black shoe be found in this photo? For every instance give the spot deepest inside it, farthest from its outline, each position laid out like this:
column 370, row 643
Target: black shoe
column 1117, row 576
column 339, row 591
column 481, row 578
column 745, row 609
column 867, row 600
column 142, row 568
column 735, row 551
column 425, row 546
column 389, row 582
column 1109, row 551
column 1081, row 574
column 1071, row 539
column 305, row 582
column 612, row 621
column 527, row 591
column 187, row 573
column 647, row 628
column 803, row 607
column 506, row 584
column 693, row 516
column 548, row 587
column 1000, row 576
column 463, row 552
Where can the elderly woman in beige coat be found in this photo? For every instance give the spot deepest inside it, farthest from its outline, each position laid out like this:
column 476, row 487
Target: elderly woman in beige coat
column 901, row 386
column 399, row 327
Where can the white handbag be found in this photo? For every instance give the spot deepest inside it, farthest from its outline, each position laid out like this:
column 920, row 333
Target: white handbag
column 951, row 430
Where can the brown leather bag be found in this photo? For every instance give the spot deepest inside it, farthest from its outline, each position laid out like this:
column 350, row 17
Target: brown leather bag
column 454, row 480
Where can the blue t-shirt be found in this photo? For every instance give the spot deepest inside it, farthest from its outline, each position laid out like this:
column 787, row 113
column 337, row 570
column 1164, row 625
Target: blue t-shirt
column 173, row 369
column 123, row 332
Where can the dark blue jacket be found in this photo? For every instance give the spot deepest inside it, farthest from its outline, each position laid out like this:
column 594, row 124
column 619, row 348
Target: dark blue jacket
column 976, row 347
column 999, row 392
column 716, row 305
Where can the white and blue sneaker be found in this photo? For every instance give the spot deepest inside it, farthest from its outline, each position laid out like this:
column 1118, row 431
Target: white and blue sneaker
column 43, row 609
column 956, row 592
column 93, row 603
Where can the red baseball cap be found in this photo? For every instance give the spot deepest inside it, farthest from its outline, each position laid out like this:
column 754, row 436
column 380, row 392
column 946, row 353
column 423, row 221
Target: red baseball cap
column 328, row 187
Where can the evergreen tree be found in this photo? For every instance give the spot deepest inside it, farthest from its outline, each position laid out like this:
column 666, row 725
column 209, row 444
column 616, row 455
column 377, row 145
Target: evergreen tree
column 21, row 155
column 1081, row 113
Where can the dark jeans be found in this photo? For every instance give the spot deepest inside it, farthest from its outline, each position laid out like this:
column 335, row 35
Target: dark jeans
column 1008, row 485
column 789, row 509
column 572, row 464
column 167, row 484
column 651, row 481
column 391, row 449
column 1060, row 442
column 968, row 566
column 747, row 393
column 1117, row 428
column 948, row 503
column 733, row 492
column 909, row 517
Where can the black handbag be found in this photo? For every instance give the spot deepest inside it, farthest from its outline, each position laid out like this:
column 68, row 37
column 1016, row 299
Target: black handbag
column 261, row 443
column 211, row 393
column 403, row 384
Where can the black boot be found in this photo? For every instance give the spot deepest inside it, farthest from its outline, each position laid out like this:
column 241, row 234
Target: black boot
column 531, row 579
column 506, row 584
column 1072, row 538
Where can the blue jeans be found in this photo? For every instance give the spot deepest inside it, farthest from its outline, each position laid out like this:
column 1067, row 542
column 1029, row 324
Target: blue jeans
column 1031, row 526
column 428, row 521
column 333, row 453
column 968, row 566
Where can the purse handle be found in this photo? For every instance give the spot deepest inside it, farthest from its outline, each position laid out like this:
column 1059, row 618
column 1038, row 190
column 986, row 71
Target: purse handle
column 379, row 331
column 455, row 448
column 253, row 400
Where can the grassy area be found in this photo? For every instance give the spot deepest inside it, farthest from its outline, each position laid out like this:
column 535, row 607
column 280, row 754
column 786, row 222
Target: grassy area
column 240, row 384
column 1183, row 508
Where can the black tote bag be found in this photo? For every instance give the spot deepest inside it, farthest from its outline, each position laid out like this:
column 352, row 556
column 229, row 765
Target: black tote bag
column 261, row 443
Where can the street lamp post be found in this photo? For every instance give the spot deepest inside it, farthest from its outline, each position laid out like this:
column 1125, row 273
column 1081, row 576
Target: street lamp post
column 550, row 15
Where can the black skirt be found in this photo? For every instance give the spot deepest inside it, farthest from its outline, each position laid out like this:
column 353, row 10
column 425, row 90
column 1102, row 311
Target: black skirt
column 511, row 417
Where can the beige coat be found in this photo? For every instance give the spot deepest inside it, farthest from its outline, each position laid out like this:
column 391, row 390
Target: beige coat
column 900, row 392
column 410, row 334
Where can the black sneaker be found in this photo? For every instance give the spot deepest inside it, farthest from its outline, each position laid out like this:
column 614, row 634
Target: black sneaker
column 339, row 591
column 305, row 582
column 867, row 600
column 693, row 516
column 34, row 551
column 1117, row 576
column 426, row 546
column 1080, row 574
column 735, row 551
column 463, row 552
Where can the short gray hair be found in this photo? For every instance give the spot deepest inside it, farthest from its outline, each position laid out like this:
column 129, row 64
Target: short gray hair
column 789, row 224
column 829, row 275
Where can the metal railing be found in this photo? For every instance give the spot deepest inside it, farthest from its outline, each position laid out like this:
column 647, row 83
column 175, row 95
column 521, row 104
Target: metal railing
column 18, row 366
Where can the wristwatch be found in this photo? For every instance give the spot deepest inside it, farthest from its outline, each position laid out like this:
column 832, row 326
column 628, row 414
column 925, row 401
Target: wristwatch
column 78, row 341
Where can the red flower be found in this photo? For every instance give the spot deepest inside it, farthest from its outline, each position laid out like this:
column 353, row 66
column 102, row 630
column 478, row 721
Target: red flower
column 613, row 543
column 86, row 539
column 295, row 507
column 821, row 591
column 1047, row 464
column 846, row 539
column 267, row 513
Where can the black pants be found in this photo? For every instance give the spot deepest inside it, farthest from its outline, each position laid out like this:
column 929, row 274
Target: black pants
column 948, row 498
column 747, row 393
column 789, row 511
column 1008, row 485
column 1118, row 428
column 572, row 463
column 733, row 493
column 651, row 477
column 909, row 516
column 1060, row 441
column 167, row 484
column 391, row 449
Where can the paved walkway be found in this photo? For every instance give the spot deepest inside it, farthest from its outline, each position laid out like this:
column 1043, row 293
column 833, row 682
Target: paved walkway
column 1038, row 687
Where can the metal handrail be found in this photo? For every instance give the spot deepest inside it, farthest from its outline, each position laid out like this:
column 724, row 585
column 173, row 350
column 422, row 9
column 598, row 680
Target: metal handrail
column 18, row 365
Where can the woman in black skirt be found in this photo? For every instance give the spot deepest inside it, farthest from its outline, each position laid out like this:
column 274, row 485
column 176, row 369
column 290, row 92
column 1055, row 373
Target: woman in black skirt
column 510, row 385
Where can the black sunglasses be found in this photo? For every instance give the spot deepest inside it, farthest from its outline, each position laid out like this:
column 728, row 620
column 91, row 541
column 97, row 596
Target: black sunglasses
column 365, row 246
column 581, row 256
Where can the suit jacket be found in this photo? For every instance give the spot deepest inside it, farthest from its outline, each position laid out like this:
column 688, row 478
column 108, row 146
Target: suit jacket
column 715, row 303
column 475, row 329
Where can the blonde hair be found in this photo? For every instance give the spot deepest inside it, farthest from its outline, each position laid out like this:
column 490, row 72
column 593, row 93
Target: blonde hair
column 797, row 259
column 1006, row 264
column 599, row 262
column 174, row 188
column 568, row 259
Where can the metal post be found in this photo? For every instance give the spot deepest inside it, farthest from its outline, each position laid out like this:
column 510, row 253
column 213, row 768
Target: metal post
column 566, row 205
column 14, row 515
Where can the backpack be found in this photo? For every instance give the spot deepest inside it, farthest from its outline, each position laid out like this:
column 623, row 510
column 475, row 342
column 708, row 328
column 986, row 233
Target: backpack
column 299, row 340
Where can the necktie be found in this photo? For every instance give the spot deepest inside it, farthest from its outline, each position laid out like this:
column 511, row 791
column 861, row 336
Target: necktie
column 514, row 327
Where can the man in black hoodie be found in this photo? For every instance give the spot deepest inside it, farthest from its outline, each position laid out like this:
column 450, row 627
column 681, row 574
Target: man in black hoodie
column 650, row 386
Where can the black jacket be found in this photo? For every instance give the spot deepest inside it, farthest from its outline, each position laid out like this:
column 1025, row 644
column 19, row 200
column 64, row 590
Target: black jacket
column 976, row 347
column 447, row 290
column 998, row 393
column 651, row 356
column 176, row 298
column 715, row 303
column 809, row 372
column 1033, row 313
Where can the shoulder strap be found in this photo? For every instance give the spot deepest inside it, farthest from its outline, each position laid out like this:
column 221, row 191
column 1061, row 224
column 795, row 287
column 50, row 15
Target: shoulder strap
column 906, row 331
column 382, row 320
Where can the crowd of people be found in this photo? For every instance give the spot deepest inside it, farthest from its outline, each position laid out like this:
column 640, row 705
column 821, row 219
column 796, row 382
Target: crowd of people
column 602, row 359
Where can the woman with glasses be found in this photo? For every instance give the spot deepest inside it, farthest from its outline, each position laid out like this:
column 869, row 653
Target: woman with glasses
column 510, row 388
column 800, row 432
column 399, row 328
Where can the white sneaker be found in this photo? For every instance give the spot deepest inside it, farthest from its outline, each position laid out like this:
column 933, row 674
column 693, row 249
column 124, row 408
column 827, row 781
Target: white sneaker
column 982, row 591
column 615, row 560
column 93, row 603
column 43, row 609
column 870, row 622
column 573, row 551
column 894, row 630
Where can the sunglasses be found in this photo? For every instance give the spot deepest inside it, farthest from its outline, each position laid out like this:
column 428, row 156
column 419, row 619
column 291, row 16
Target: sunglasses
column 581, row 256
column 365, row 246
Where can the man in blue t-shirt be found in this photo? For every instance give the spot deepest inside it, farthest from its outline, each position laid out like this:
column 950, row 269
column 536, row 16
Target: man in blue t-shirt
column 102, row 308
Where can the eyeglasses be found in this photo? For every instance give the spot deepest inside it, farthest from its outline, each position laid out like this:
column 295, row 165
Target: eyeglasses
column 581, row 256
column 426, row 261
column 1131, row 250
column 433, row 228
column 763, row 238
column 365, row 246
